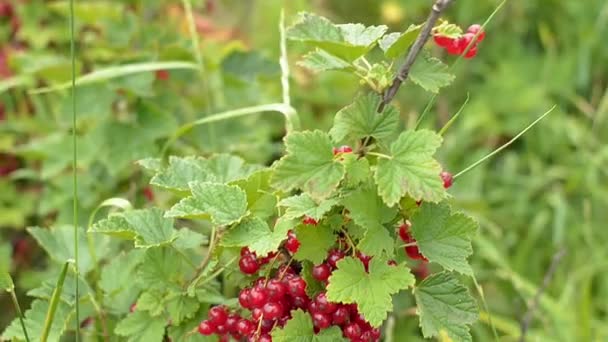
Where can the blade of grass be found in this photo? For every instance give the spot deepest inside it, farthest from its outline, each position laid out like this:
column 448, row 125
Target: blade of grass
column 453, row 119
column 109, row 73
column 50, row 315
column 292, row 121
column 483, row 26
column 53, row 306
column 496, row 151
column 6, row 283
column 283, row 61
column 485, row 307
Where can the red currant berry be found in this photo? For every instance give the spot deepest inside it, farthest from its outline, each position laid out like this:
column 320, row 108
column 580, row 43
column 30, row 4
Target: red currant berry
column 392, row 263
column 470, row 54
column 476, row 28
column 6, row 9
column 334, row 256
column 309, row 221
column 258, row 297
column 231, row 323
column 352, row 331
column 245, row 327
column 443, row 41
column 297, row 287
column 422, row 271
column 364, row 259
column 367, row 336
column 162, row 75
column 276, row 289
column 300, row 302
column 267, row 326
column 340, row 316
column 221, row 329
column 148, row 194
column 273, row 310
column 249, row 264
column 454, row 47
column 404, row 232
column 264, row 338
column 244, row 298
column 321, row 272
column 321, row 320
column 447, row 178
column 464, row 41
column 414, row 253
column 323, row 305
column 292, row 244
column 206, row 328
column 245, row 251
column 217, row 315
column 257, row 314
column 375, row 334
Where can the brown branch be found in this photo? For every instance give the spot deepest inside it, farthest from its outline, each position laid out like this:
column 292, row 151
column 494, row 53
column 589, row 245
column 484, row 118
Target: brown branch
column 422, row 38
column 527, row 319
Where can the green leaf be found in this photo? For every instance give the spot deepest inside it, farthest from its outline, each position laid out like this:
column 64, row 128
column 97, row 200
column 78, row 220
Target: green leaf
column 303, row 205
column 372, row 291
column 394, row 44
column 357, row 170
column 152, row 301
column 181, row 307
column 163, row 267
column 411, row 170
column 34, row 322
column 152, row 228
column 368, row 211
column 300, row 329
column 445, row 305
column 225, row 204
column 115, row 226
column 189, row 239
column 431, row 74
column 315, row 241
column 260, row 200
column 254, row 233
column 309, row 165
column 116, row 279
column 221, row 168
column 139, row 326
column 361, row 119
column 319, row 60
column 444, row 237
column 347, row 41
column 58, row 242
column 6, row 282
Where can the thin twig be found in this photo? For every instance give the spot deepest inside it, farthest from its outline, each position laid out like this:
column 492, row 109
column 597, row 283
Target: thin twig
column 422, row 38
column 527, row 319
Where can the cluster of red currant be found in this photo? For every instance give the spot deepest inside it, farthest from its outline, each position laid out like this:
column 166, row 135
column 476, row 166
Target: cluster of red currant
column 249, row 263
column 457, row 46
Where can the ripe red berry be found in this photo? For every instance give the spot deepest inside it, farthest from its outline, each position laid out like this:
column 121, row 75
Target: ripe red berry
column 443, row 41
column 476, row 28
column 414, row 253
column 245, row 251
column 257, row 297
column 342, row 149
column 148, row 193
column 404, row 233
column 297, row 287
column 471, row 53
column 340, row 316
column 392, row 263
column 352, row 331
column 300, row 302
column 309, row 221
column 264, row 338
column 321, row 320
column 324, row 305
column 217, row 315
column 245, row 327
column 292, row 244
column 276, row 289
column 6, row 9
column 248, row 264
column 244, row 298
column 206, row 328
column 273, row 310
column 364, row 259
column 162, row 75
column 447, row 178
column 321, row 272
column 334, row 256
column 464, row 41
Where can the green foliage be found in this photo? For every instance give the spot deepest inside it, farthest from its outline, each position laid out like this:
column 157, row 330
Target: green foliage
column 300, row 329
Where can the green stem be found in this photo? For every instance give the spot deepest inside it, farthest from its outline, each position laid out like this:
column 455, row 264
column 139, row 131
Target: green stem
column 283, row 61
column 379, row 155
column 292, row 122
column 74, row 169
column 485, row 307
column 472, row 166
column 55, row 298
column 453, row 119
column 216, row 273
column 19, row 313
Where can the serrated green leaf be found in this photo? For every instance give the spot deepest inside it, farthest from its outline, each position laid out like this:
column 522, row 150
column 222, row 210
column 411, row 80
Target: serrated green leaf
column 34, row 322
column 347, row 41
column 369, row 212
column 309, row 165
column 444, row 237
column 151, row 227
column 225, row 204
column 254, row 233
column 115, row 226
column 183, row 332
column 221, row 168
column 361, row 119
column 163, row 267
column 315, row 241
column 189, row 239
column 303, row 205
column 6, row 282
column 139, row 326
column 357, row 170
column 300, row 329
column 152, row 301
column 430, row 74
column 445, row 305
column 68, row 292
column 260, row 200
column 181, row 307
column 411, row 170
column 319, row 60
column 116, row 280
column 58, row 242
column 394, row 44
column 372, row 291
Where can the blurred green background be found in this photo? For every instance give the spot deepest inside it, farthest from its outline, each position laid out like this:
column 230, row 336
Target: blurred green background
column 547, row 192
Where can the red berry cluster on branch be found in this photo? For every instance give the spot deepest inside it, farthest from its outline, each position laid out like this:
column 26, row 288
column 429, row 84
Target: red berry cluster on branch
column 249, row 263
column 457, row 46
column 412, row 251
